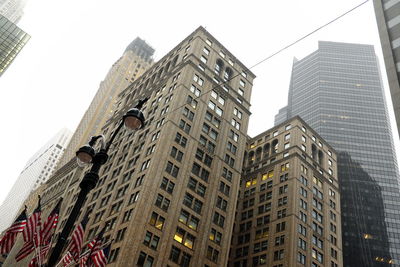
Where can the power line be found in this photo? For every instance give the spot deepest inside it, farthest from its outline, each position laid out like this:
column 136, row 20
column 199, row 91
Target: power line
column 270, row 56
column 279, row 51
column 308, row 34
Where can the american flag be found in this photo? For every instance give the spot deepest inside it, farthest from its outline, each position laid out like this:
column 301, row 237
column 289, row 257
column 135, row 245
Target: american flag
column 31, row 233
column 67, row 259
column 77, row 238
column 93, row 246
column 99, row 257
column 50, row 225
column 36, row 259
column 8, row 240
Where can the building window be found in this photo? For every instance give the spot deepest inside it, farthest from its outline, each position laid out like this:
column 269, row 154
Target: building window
column 189, row 220
column 157, row 221
column 215, row 236
column 197, row 187
column 222, row 203
column 127, row 215
column 234, row 136
column 162, row 202
column 193, row 203
column 198, row 80
column 185, row 126
column 145, row 260
column 212, row 254
column 151, row 240
column 279, row 240
column 317, row 255
column 218, row 219
column 174, row 254
column 167, row 185
column 279, row 254
column 188, row 114
column 184, row 238
column 113, row 255
column 280, row 227
column 172, row 169
column 176, row 154
column 237, row 113
column 302, row 244
column 301, row 258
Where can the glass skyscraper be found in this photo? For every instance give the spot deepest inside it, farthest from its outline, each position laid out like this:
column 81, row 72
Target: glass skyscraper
column 338, row 91
column 12, row 40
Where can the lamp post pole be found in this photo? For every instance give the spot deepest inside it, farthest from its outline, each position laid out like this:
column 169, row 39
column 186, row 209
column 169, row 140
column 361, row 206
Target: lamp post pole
column 134, row 117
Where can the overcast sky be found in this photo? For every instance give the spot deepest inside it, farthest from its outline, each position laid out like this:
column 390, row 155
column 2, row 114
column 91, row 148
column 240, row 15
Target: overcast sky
column 74, row 43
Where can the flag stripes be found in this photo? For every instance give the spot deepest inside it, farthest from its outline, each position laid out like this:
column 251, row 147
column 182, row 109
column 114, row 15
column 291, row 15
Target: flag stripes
column 99, row 257
column 75, row 246
column 8, row 240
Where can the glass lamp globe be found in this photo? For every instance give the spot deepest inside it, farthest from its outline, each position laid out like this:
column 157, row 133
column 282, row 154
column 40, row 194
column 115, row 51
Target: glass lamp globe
column 84, row 155
column 133, row 119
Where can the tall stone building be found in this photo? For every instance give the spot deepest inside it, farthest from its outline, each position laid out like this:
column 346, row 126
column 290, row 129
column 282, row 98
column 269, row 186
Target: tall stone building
column 288, row 210
column 388, row 20
column 36, row 172
column 169, row 190
column 338, row 91
column 136, row 59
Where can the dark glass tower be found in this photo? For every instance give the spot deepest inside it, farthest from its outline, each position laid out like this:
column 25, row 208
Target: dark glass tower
column 338, row 91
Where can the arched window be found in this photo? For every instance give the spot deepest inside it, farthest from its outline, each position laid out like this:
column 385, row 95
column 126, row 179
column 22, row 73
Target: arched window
column 251, row 157
column 266, row 150
column 167, row 66
column 320, row 157
column 160, row 72
column 228, row 74
column 175, row 61
column 275, row 146
column 313, row 152
column 153, row 78
column 219, row 65
column 258, row 154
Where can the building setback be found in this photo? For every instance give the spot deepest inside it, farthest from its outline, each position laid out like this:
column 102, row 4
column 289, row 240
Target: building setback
column 388, row 20
column 136, row 59
column 35, row 173
column 337, row 90
column 169, row 190
column 288, row 210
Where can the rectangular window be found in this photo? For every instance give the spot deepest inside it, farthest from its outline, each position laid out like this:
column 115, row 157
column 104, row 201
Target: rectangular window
column 157, row 221
column 162, row 202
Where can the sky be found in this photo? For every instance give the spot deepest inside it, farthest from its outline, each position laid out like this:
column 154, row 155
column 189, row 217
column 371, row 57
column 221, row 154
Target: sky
column 74, row 43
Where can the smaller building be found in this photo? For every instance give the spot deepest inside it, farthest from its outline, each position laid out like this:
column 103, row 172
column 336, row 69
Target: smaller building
column 12, row 40
column 36, row 172
column 288, row 211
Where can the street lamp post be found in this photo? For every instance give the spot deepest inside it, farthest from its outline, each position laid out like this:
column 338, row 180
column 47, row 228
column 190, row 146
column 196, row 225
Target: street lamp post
column 132, row 120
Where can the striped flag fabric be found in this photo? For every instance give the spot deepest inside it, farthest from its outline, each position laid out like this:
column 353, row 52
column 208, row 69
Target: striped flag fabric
column 99, row 258
column 8, row 240
column 67, row 259
column 82, row 260
column 93, row 246
column 32, row 223
column 50, row 225
column 31, row 233
column 75, row 246
column 39, row 258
